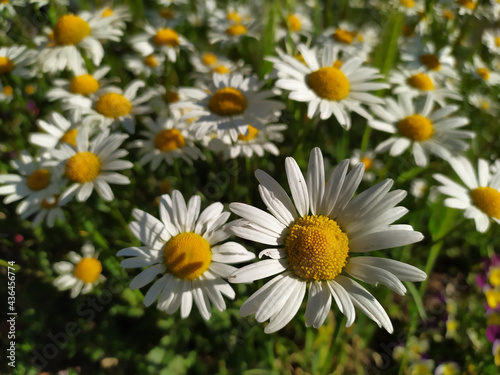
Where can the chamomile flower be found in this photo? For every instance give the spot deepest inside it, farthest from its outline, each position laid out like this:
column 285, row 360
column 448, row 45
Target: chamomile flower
column 480, row 70
column 416, row 125
column 329, row 90
column 48, row 210
column 145, row 65
column 57, row 129
column 231, row 102
column 315, row 241
column 480, row 197
column 74, row 32
column 88, row 166
column 257, row 141
column 409, row 7
column 6, row 93
column 346, row 37
column 8, row 6
column 368, row 158
column 465, row 6
column 185, row 249
column 208, row 63
column 13, row 61
column 419, row 187
column 231, row 25
column 484, row 103
column 163, row 40
column 166, row 140
column 80, row 275
column 296, row 24
column 491, row 38
column 117, row 16
column 425, row 56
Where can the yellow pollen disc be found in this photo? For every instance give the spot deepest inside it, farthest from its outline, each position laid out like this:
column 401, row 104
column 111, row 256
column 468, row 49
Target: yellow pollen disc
column 169, row 140
column 227, row 101
column 82, row 167
column 487, row 199
column 4, row 1
column 294, row 22
column 299, row 57
column 421, row 81
column 497, row 41
column 337, row 64
column 208, row 59
column 367, row 162
column 70, row 137
column 84, row 84
column 220, row 69
column 416, row 127
column 233, row 17
column 39, row 179
column 483, row 73
column 329, row 83
column 168, row 14
column 8, row 90
column 172, row 97
column 166, row 37
column 469, row 4
column 495, row 276
column 252, row 133
column 343, row 36
column 236, row 30
column 316, row 248
column 6, row 65
column 187, row 255
column 30, row 89
column 108, row 12
column 70, row 29
column 50, row 205
column 151, row 61
column 88, row 270
column 486, row 105
column 430, row 61
column 407, row 3
column 113, row 105
column 448, row 15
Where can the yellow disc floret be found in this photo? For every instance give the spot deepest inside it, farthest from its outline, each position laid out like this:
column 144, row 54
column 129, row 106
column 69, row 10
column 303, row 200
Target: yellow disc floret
column 421, row 81
column 82, row 167
column 6, row 65
column 316, row 248
column 84, row 84
column 416, row 127
column 169, row 140
column 39, row 179
column 49, row 205
column 329, row 83
column 430, row 61
column 70, row 29
column 252, row 133
column 220, row 69
column 233, row 17
column 469, row 4
column 70, row 137
column 367, row 162
column 113, row 105
column 166, row 37
column 8, row 90
column 187, row 255
column 343, row 36
column 88, row 270
column 228, row 101
column 150, row 61
column 487, row 199
column 497, row 41
column 483, row 73
column 294, row 22
column 407, row 3
column 236, row 30
column 208, row 59
column 108, row 12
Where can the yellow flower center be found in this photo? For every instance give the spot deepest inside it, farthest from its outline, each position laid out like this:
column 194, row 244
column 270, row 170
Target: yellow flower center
column 294, row 22
column 187, row 255
column 407, row 3
column 316, row 247
column 151, row 61
column 252, row 133
column 6, row 65
column 221, row 69
column 8, row 90
column 82, row 167
column 430, row 61
column 487, row 199
column 169, row 140
column 108, row 12
column 166, row 37
column 416, row 127
column 30, row 89
column 84, row 84
column 70, row 137
column 367, row 162
column 233, row 17
column 236, row 30
column 495, row 276
column 167, row 13
column 39, row 179
column 208, row 59
column 483, row 73
column 172, row 97
column 469, row 4
column 113, row 105
column 50, row 205
column 329, row 83
column 227, row 101
column 497, row 41
column 485, row 104
column 70, row 29
column 493, row 298
column 343, row 36
column 421, row 81
column 448, row 15
column 88, row 270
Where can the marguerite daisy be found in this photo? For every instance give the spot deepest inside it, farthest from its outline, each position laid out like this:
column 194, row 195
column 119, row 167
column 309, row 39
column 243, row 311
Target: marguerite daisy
column 491, row 38
column 57, row 130
column 425, row 56
column 145, row 65
column 368, row 158
column 13, row 61
column 296, row 24
column 185, row 249
column 480, row 70
column 480, row 197
column 315, row 241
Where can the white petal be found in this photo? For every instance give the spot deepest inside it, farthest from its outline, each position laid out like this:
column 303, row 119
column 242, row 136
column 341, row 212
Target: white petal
column 298, row 186
column 259, row 270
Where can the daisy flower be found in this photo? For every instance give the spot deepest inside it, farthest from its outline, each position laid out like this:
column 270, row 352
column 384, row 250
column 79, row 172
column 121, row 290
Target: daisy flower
column 480, row 197
column 208, row 63
column 6, row 93
column 231, row 102
column 256, row 141
column 315, row 241
column 329, row 90
column 231, row 25
column 417, row 126
column 81, row 274
column 116, row 16
column 57, row 129
column 8, row 6
column 409, row 7
column 13, row 61
column 166, row 140
column 426, row 57
column 48, row 210
column 74, row 32
column 346, row 37
column 491, row 38
column 368, row 158
column 185, row 249
column 145, row 66
column 90, row 166
column 465, row 6
column 480, row 70
column 296, row 24
column 484, row 103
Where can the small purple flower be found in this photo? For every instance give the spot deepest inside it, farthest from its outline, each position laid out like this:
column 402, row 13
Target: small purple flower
column 493, row 333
